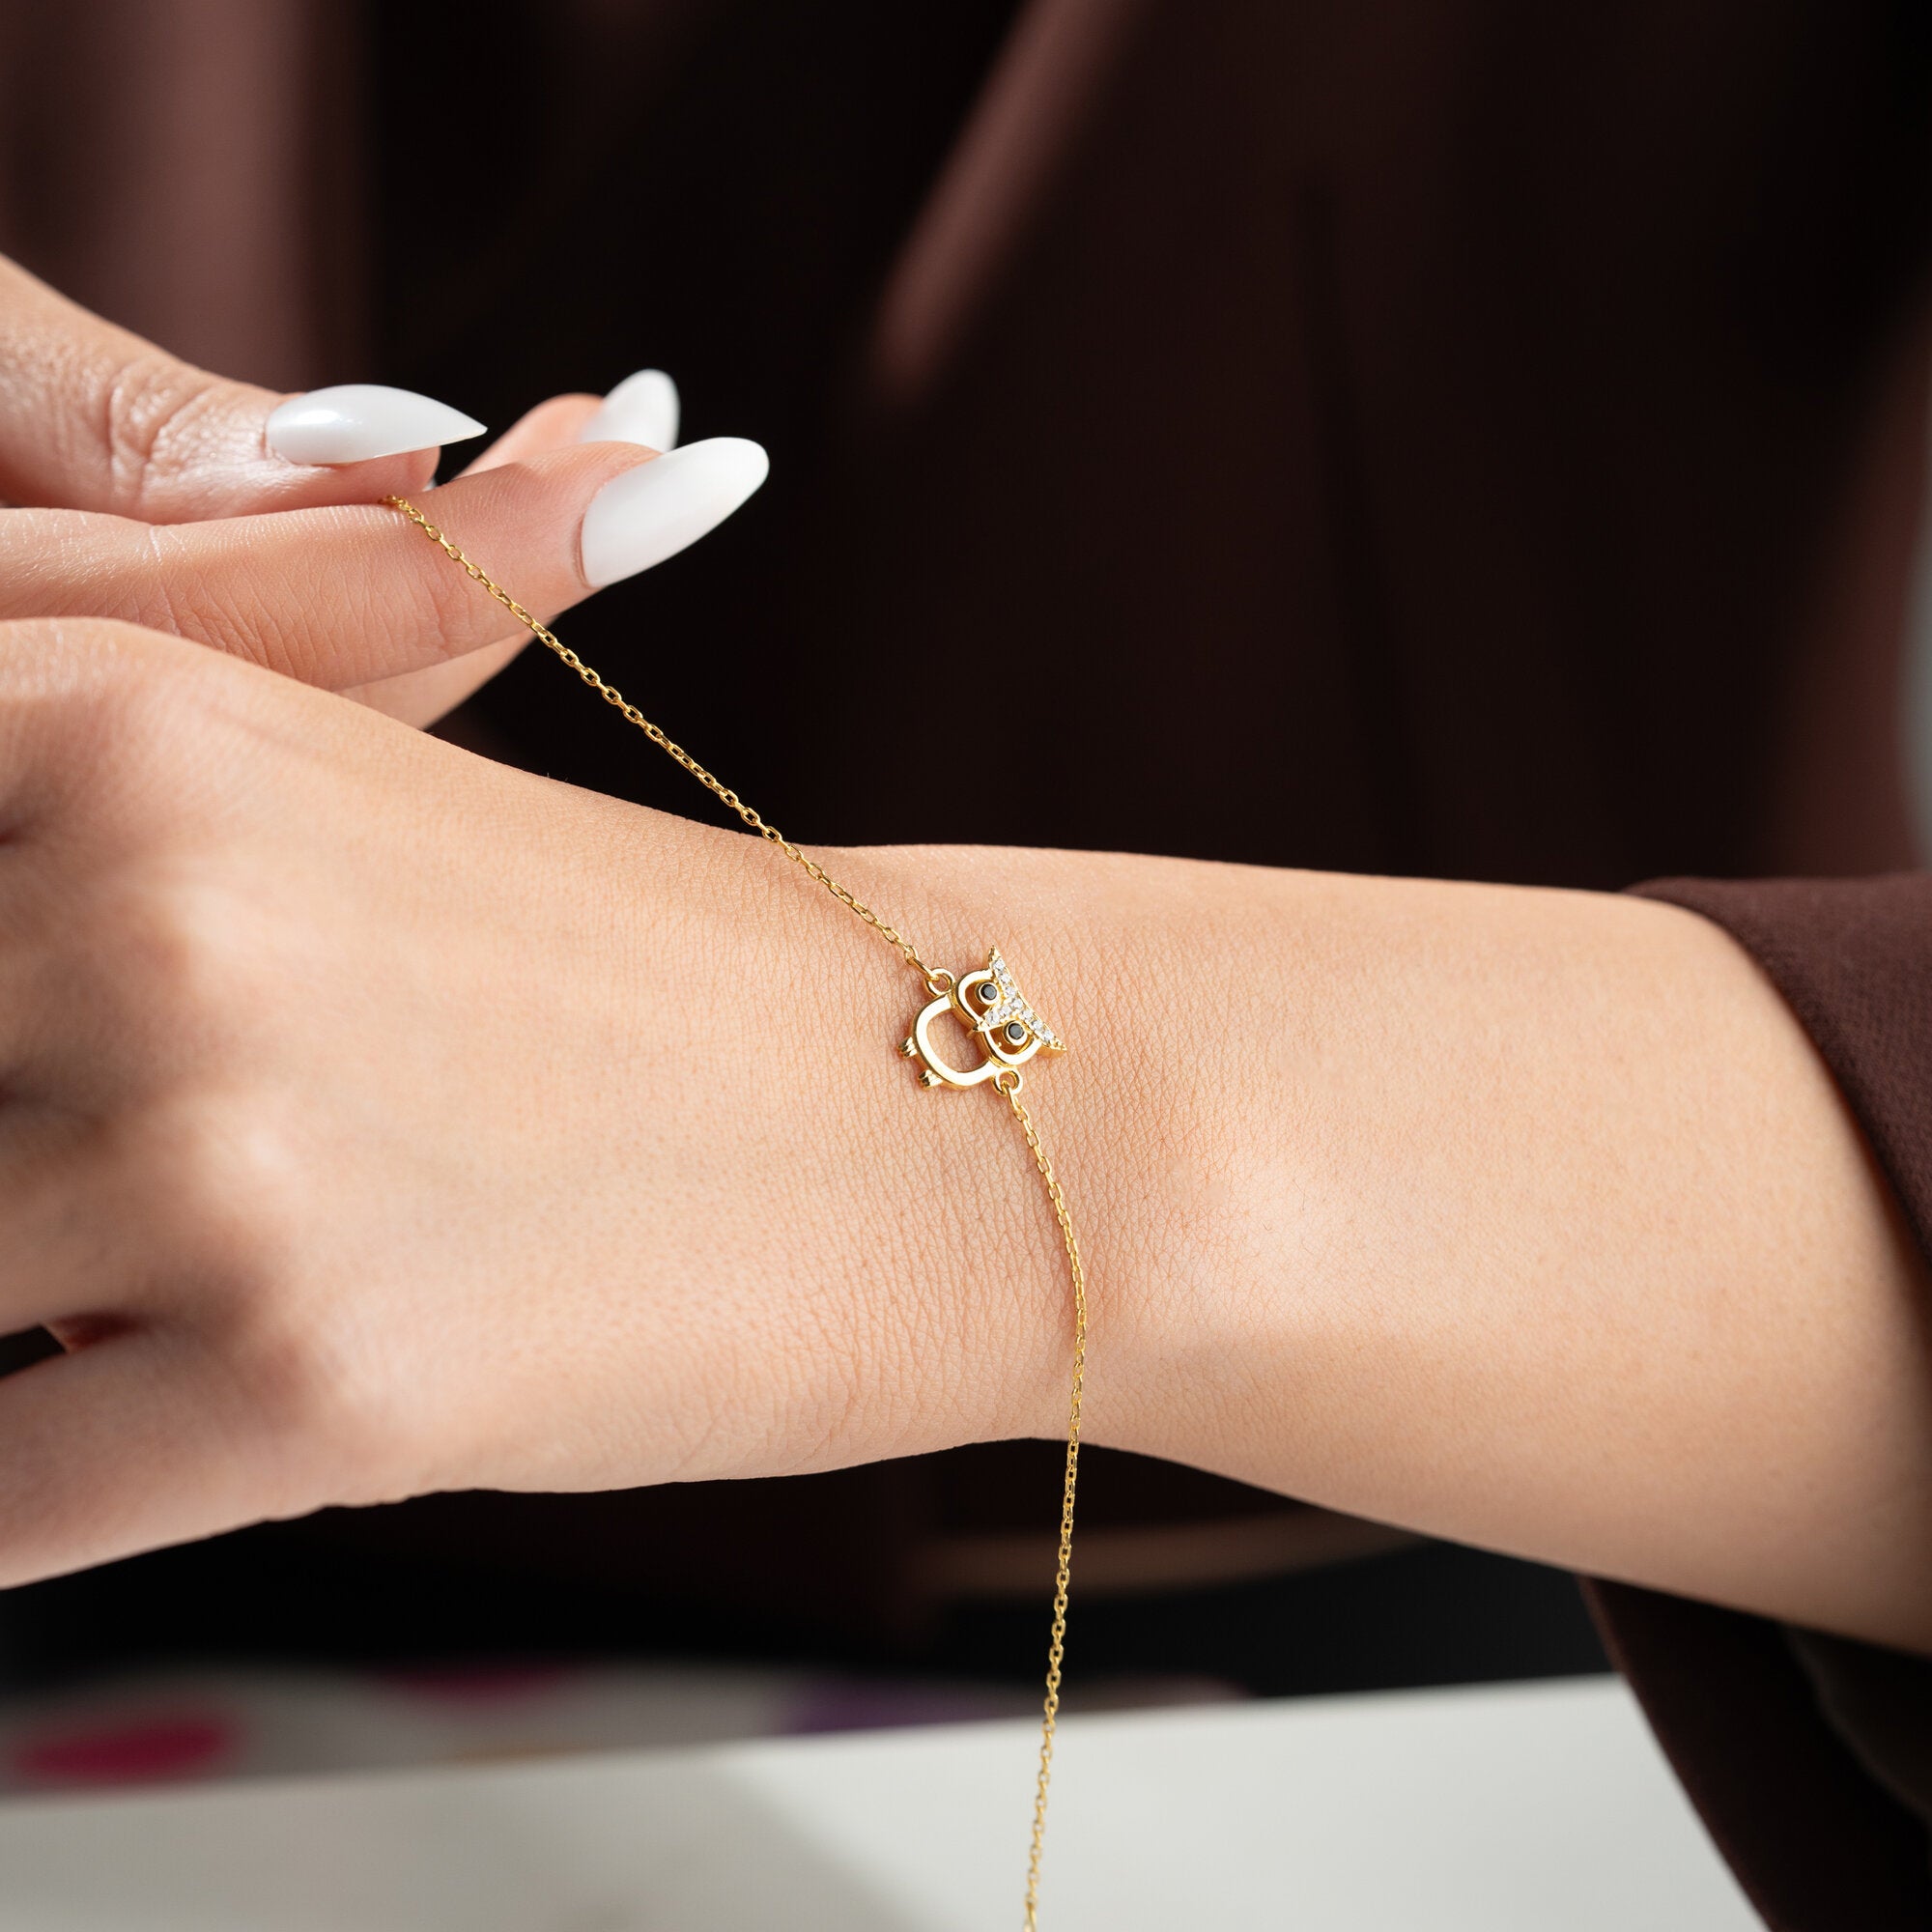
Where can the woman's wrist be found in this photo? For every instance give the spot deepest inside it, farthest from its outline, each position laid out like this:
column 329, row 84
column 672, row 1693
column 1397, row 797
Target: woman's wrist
column 931, row 1231
column 1529, row 1218
column 1151, row 1117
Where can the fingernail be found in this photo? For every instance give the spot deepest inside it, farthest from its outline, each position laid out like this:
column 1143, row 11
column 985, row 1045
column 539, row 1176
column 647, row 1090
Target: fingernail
column 653, row 511
column 354, row 421
column 642, row 409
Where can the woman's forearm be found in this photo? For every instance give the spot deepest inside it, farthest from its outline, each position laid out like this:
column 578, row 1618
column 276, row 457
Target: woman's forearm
column 381, row 1119
column 1528, row 1218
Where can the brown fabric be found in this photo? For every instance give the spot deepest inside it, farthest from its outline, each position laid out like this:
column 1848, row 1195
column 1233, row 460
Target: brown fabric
column 1853, row 958
column 1801, row 1753
column 1484, row 434
column 1815, row 1844
column 1880, row 1702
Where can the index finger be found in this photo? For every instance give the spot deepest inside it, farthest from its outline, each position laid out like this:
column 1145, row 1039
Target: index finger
column 93, row 417
column 348, row 594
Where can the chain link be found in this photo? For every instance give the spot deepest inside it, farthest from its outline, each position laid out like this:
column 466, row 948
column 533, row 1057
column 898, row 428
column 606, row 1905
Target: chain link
column 1007, row 1083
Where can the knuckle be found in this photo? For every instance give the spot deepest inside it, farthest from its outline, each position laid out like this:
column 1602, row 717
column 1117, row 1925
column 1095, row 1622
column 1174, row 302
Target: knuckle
column 65, row 660
column 447, row 608
column 177, row 969
column 320, row 1390
column 224, row 1188
column 390, row 612
column 167, row 581
column 178, row 948
column 152, row 412
column 208, row 1177
column 69, row 685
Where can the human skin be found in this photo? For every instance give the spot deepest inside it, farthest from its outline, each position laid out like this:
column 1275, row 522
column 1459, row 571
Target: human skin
column 379, row 1120
column 137, row 487
column 375, row 1119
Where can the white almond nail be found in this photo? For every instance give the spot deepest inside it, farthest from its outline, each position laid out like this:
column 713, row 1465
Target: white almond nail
column 653, row 511
column 642, row 409
column 354, row 421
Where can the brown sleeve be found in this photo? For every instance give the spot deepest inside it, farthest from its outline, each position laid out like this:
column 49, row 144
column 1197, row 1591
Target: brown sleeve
column 1822, row 1813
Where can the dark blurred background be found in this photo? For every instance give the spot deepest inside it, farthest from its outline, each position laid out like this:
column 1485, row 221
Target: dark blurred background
column 1453, row 436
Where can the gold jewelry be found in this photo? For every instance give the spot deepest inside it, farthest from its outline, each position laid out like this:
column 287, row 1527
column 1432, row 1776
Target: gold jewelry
column 989, row 1005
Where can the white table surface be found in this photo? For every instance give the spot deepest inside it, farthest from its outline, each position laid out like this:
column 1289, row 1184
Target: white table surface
column 1524, row 1808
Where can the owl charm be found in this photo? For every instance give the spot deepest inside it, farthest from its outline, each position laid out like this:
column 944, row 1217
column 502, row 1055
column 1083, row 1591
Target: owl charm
column 990, row 1005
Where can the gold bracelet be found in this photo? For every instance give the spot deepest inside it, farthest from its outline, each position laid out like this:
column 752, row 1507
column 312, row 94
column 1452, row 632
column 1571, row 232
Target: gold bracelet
column 989, row 1005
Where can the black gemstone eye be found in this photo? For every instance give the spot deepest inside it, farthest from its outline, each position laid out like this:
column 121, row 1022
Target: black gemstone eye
column 1015, row 1031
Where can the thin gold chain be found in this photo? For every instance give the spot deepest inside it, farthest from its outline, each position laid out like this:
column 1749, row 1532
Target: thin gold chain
column 1007, row 1082
column 616, row 699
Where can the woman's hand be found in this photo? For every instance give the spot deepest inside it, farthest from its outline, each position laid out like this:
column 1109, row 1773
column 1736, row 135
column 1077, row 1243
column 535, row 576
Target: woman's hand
column 152, row 491
column 379, row 1120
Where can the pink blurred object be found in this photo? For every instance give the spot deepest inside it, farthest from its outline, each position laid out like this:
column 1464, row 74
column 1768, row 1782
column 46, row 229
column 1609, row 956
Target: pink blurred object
column 234, row 1723
column 137, row 1752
